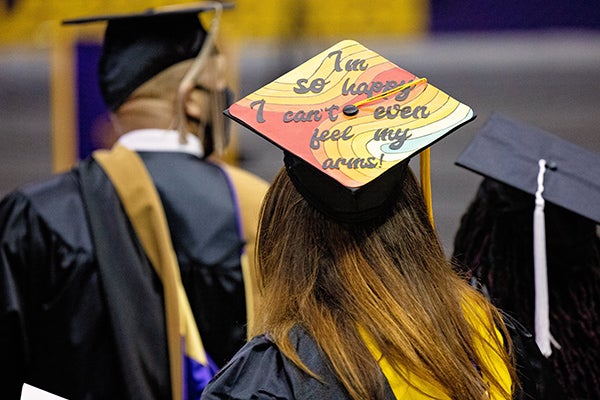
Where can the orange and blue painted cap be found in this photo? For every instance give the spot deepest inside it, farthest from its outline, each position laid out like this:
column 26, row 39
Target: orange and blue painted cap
column 348, row 121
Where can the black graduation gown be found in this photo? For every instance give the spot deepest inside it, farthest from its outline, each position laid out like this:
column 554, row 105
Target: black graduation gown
column 259, row 371
column 57, row 326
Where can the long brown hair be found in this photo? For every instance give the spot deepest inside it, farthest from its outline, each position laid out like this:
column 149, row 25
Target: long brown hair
column 390, row 278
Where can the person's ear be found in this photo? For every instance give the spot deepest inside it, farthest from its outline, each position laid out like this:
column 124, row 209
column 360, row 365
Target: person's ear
column 197, row 98
column 196, row 102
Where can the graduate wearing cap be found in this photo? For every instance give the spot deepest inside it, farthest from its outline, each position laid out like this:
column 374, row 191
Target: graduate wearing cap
column 126, row 277
column 530, row 238
column 359, row 299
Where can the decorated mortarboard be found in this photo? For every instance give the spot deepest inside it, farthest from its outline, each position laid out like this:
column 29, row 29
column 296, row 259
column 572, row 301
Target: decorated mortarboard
column 547, row 167
column 137, row 46
column 348, row 121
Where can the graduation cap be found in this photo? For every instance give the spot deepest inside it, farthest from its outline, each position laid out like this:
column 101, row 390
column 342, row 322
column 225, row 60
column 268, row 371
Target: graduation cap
column 546, row 166
column 348, row 121
column 137, row 46
column 509, row 151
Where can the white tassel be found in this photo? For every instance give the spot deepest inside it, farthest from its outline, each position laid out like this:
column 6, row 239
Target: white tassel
column 542, row 308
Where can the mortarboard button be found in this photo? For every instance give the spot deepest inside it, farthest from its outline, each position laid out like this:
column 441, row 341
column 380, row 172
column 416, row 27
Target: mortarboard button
column 350, row 110
column 348, row 121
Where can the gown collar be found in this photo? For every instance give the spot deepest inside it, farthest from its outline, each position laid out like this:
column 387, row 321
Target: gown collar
column 161, row 140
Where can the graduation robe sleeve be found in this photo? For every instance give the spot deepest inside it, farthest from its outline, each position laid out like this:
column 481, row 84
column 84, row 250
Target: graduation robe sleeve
column 47, row 275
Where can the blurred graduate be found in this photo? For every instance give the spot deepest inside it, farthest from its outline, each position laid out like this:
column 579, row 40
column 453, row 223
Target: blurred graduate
column 126, row 277
column 530, row 240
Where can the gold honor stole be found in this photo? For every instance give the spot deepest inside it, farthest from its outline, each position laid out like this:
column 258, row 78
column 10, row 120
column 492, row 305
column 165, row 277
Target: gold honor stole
column 411, row 387
column 190, row 366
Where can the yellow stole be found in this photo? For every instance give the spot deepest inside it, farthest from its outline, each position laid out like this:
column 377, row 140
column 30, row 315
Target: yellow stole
column 144, row 209
column 416, row 388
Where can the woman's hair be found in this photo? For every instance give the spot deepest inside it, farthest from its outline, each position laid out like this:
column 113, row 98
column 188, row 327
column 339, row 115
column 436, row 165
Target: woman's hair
column 494, row 244
column 390, row 278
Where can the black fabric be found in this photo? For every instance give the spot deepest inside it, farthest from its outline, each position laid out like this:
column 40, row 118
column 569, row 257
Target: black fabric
column 508, row 151
column 136, row 49
column 138, row 320
column 56, row 332
column 371, row 202
column 202, row 215
column 261, row 371
column 537, row 381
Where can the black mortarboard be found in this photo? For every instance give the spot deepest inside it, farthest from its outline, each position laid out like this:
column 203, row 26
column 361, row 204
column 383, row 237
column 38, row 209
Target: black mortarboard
column 348, row 121
column 509, row 151
column 138, row 46
column 548, row 167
